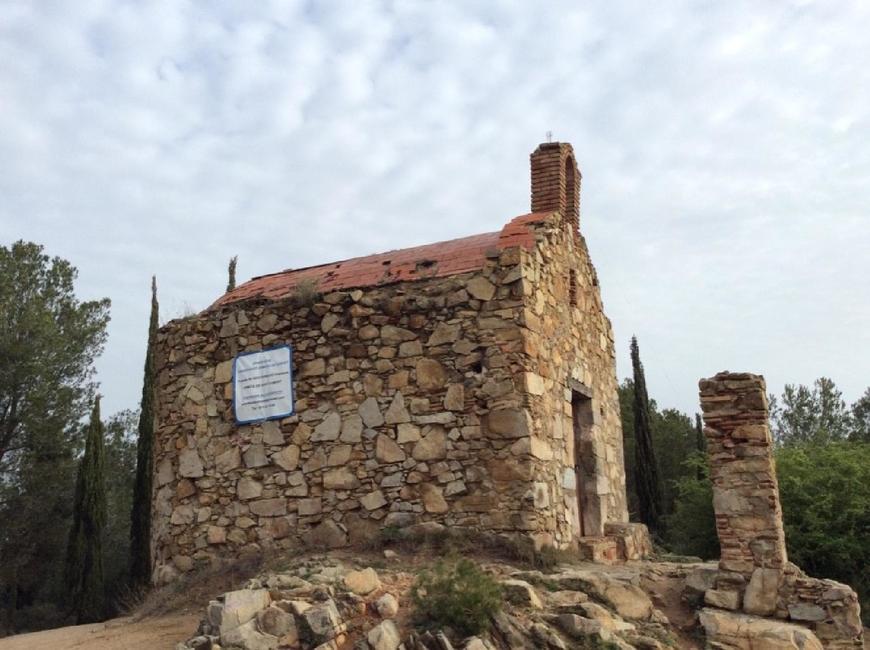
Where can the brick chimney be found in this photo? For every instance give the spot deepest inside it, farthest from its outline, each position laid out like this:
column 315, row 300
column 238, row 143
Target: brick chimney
column 556, row 182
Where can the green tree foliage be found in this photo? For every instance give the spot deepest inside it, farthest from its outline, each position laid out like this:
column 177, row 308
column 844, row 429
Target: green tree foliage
column 805, row 414
column 674, row 441
column 673, row 444
column 825, row 492
column 458, row 595
column 35, row 510
column 120, row 477
column 691, row 528
column 140, row 516
column 48, row 342
column 231, row 273
column 859, row 422
column 84, row 562
column 626, row 414
column 647, row 483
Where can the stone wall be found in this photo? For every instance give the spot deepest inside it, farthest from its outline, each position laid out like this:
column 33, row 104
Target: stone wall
column 570, row 354
column 754, row 573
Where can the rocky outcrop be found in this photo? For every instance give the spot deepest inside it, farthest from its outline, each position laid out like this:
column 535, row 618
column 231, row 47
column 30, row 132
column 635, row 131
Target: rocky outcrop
column 727, row 630
column 328, row 603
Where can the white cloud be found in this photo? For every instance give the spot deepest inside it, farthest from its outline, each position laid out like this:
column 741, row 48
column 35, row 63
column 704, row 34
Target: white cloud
column 723, row 149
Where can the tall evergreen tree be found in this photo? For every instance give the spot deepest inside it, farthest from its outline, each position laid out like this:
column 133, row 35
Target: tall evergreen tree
column 231, row 271
column 859, row 420
column 140, row 517
column 84, row 565
column 647, row 482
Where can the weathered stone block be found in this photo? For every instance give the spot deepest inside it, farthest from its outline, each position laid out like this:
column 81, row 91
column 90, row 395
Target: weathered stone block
column 340, row 479
column 190, row 464
column 328, row 429
column 269, row 507
column 431, row 375
column 387, row 451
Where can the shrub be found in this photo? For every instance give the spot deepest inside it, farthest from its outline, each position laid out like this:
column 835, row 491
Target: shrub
column 306, row 293
column 458, row 595
column 825, row 491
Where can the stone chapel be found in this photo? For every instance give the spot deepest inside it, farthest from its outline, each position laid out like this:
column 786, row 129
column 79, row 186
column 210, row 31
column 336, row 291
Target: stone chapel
column 470, row 382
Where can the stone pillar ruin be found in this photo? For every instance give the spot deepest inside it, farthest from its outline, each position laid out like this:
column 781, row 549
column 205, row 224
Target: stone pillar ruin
column 755, row 576
column 745, row 491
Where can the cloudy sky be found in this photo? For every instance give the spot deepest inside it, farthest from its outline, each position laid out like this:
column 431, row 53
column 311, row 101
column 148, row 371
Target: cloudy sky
column 724, row 150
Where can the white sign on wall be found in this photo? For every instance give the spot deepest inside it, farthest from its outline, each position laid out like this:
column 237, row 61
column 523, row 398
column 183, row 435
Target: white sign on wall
column 263, row 385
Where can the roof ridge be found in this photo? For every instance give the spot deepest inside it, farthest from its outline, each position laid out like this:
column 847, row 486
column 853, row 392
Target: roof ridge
column 447, row 257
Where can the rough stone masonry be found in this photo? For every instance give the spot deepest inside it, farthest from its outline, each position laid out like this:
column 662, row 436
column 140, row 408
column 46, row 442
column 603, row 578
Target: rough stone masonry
column 755, row 576
column 470, row 382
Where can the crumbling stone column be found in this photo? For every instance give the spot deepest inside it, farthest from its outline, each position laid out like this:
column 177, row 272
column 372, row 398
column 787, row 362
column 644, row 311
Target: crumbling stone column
column 755, row 575
column 745, row 492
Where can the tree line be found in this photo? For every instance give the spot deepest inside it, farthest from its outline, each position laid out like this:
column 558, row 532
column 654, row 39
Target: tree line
column 74, row 497
column 822, row 455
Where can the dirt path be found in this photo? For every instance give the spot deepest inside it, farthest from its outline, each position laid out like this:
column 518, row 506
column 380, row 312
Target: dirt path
column 153, row 633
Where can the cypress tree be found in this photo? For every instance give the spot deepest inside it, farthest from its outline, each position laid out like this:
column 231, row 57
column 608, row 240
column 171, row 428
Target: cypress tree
column 140, row 517
column 700, row 443
column 84, row 562
column 231, row 271
column 647, row 483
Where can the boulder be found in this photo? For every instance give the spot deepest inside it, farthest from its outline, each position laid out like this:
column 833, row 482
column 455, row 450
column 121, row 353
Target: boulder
column 699, row 581
column 387, row 606
column 384, row 636
column 578, row 627
column 320, row 623
column 744, row 632
column 520, row 592
column 603, row 615
column 564, row 599
column 362, row 582
column 242, row 606
column 247, row 636
column 722, row 598
column 275, row 621
column 626, row 599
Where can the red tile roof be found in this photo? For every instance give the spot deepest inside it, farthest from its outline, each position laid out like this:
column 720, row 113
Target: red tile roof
column 429, row 261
